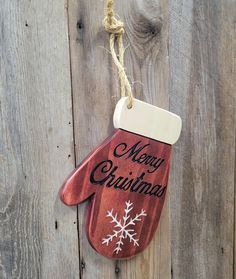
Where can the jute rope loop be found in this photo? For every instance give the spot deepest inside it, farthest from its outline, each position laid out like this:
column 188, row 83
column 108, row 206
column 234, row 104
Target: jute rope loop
column 116, row 29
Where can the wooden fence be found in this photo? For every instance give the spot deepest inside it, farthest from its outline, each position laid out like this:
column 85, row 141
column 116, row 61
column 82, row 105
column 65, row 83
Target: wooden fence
column 58, row 89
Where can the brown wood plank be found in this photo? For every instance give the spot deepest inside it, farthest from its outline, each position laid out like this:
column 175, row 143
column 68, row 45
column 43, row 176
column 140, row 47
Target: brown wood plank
column 38, row 236
column 202, row 59
column 95, row 93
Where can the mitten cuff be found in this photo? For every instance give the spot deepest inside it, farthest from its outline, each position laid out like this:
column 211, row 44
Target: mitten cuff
column 147, row 120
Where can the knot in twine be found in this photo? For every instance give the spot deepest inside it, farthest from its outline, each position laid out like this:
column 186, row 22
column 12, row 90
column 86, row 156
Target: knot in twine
column 116, row 29
column 113, row 25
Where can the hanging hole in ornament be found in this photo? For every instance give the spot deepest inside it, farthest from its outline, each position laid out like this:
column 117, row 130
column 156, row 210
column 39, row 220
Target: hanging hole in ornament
column 129, row 106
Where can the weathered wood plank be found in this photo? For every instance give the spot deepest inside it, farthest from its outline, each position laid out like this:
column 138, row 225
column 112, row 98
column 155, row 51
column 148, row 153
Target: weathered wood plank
column 202, row 56
column 93, row 103
column 148, row 66
column 38, row 236
column 95, row 93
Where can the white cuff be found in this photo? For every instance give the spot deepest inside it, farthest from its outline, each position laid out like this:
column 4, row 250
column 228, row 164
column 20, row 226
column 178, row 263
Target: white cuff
column 147, row 120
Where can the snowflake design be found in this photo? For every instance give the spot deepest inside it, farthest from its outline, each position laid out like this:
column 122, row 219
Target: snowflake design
column 121, row 229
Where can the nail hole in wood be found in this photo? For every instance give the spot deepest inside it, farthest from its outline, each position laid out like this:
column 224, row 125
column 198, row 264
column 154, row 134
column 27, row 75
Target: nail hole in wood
column 56, row 225
column 117, row 270
column 69, row 156
column 26, row 24
column 82, row 264
column 80, row 24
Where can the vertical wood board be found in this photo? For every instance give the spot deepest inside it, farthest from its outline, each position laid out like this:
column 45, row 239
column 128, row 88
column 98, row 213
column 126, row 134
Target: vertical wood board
column 95, row 93
column 38, row 234
column 202, row 49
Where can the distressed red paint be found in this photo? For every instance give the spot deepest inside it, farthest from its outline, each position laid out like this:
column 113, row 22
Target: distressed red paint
column 127, row 171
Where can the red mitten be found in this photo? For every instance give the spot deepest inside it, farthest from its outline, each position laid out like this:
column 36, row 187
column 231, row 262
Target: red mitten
column 126, row 179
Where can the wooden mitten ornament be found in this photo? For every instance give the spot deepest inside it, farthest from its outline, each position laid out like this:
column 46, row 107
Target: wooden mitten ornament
column 126, row 179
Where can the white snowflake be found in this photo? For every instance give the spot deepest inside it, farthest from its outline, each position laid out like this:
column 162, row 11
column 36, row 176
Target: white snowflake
column 122, row 231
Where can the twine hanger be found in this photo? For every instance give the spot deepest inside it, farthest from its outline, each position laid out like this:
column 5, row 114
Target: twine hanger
column 116, row 29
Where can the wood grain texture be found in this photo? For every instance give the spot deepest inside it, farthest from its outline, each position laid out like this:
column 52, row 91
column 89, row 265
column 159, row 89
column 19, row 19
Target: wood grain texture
column 202, row 59
column 38, row 234
column 38, row 237
column 95, row 93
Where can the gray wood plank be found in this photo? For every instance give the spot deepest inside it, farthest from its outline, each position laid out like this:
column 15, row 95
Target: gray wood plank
column 95, row 93
column 202, row 60
column 38, row 235
column 93, row 103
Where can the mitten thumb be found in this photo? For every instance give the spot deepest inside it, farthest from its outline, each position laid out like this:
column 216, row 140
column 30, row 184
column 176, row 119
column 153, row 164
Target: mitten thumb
column 75, row 188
